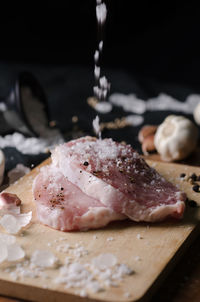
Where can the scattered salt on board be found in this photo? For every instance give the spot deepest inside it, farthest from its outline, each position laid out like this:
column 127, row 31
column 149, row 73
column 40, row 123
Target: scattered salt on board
column 43, row 258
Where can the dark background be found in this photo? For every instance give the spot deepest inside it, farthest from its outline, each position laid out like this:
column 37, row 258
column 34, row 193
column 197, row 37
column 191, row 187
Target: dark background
column 149, row 47
column 149, row 38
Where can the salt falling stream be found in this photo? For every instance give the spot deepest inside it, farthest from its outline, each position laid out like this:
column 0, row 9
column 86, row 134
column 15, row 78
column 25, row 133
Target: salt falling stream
column 102, row 86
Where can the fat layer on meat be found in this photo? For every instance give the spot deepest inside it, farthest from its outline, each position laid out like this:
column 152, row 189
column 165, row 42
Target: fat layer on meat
column 119, row 178
column 63, row 206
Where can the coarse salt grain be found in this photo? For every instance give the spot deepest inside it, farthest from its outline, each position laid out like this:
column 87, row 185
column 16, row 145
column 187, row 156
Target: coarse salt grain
column 43, row 258
column 104, row 261
column 12, row 223
column 7, row 239
column 3, row 252
column 15, row 252
column 110, row 239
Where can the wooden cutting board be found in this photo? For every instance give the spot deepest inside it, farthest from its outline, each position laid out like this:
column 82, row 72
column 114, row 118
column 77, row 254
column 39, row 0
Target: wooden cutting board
column 150, row 250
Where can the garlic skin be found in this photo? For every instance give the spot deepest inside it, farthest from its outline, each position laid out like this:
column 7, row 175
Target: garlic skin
column 196, row 114
column 2, row 166
column 176, row 138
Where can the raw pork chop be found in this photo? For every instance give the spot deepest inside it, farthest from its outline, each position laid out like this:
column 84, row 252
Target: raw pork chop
column 62, row 205
column 119, row 178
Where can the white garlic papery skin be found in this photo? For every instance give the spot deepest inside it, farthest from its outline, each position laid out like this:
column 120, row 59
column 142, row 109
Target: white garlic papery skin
column 196, row 114
column 176, row 138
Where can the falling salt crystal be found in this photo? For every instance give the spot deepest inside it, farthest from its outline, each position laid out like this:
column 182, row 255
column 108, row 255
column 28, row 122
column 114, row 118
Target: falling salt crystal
column 15, row 252
column 137, row 258
column 100, row 45
column 97, row 72
column 43, row 258
column 96, row 126
column 104, row 84
column 104, row 261
column 139, row 236
column 7, row 239
column 96, row 56
column 3, row 252
column 101, row 12
column 95, row 237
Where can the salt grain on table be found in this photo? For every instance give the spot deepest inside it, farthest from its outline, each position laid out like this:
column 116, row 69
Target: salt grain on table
column 43, row 258
column 15, row 252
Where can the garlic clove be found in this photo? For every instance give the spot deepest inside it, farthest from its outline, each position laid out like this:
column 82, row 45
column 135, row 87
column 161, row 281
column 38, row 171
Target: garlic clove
column 196, row 114
column 2, row 166
column 145, row 131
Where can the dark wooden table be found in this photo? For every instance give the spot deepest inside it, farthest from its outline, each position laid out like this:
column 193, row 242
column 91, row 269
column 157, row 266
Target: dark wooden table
column 183, row 283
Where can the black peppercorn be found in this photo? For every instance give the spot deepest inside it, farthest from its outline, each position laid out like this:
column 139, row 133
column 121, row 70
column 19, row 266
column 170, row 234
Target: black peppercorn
column 86, row 163
column 182, row 175
column 193, row 177
column 195, row 188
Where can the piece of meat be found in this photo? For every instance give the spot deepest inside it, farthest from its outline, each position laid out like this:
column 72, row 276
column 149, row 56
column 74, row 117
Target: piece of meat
column 119, row 178
column 63, row 206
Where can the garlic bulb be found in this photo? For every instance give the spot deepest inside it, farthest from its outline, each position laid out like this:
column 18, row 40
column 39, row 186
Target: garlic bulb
column 176, row 138
column 2, row 166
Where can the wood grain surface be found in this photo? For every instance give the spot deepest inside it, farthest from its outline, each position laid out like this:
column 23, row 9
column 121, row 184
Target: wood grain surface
column 161, row 246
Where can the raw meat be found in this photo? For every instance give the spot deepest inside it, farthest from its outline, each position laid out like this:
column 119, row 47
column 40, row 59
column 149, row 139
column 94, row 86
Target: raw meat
column 62, row 205
column 119, row 178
